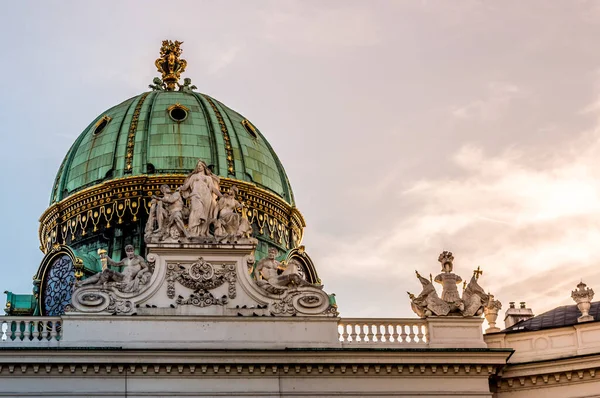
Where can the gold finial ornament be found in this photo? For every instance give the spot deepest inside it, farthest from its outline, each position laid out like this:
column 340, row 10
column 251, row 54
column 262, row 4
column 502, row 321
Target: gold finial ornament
column 169, row 63
column 477, row 273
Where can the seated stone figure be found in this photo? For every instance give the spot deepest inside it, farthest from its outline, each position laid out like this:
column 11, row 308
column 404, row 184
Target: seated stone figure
column 134, row 275
column 272, row 280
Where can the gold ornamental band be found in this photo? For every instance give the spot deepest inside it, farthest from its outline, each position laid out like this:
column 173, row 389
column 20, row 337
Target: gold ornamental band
column 111, row 202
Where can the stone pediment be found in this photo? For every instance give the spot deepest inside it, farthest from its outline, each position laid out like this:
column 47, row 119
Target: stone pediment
column 202, row 279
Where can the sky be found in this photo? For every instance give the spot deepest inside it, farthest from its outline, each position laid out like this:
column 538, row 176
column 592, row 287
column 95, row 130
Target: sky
column 406, row 128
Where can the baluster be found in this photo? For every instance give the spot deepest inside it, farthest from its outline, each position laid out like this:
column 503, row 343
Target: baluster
column 403, row 335
column 378, row 332
column 353, row 333
column 395, row 334
column 419, row 333
column 18, row 331
column 2, row 331
column 426, row 332
column 27, row 330
column 36, row 330
column 44, row 330
column 9, row 332
column 59, row 329
column 367, row 332
column 345, row 333
column 386, row 333
column 361, row 333
column 411, row 333
column 53, row 330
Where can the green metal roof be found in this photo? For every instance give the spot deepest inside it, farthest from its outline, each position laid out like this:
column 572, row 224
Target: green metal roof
column 141, row 138
column 19, row 304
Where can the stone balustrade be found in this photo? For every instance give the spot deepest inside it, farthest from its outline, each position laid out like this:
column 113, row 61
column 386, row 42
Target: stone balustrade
column 242, row 332
column 383, row 332
column 19, row 330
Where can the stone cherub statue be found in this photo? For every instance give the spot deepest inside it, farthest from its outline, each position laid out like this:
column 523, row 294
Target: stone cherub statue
column 135, row 274
column 158, row 84
column 275, row 282
column 187, row 86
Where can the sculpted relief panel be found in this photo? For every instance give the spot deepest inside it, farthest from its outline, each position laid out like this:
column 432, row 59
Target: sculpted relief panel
column 201, row 277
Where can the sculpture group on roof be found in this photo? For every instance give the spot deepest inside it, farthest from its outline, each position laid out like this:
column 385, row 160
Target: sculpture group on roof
column 473, row 302
column 206, row 207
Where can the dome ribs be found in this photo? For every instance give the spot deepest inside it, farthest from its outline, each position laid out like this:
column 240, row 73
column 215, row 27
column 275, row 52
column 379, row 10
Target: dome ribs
column 131, row 136
column 226, row 138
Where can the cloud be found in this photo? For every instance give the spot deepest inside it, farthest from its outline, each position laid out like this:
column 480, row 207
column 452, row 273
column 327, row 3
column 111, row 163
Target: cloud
column 499, row 96
column 529, row 217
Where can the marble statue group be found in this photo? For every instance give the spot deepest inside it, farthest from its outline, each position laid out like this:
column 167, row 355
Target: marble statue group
column 206, row 206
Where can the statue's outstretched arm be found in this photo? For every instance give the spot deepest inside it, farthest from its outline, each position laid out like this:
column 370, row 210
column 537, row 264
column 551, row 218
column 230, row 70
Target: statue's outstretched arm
column 114, row 263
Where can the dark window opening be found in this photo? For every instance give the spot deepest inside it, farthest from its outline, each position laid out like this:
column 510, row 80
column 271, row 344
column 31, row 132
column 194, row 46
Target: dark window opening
column 249, row 128
column 178, row 114
column 101, row 124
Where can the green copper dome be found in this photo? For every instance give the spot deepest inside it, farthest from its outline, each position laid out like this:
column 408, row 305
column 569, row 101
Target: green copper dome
column 166, row 132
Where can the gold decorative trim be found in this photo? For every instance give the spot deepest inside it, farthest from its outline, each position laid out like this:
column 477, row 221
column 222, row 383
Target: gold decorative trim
column 226, row 139
column 177, row 105
column 103, row 119
column 250, row 128
column 112, row 202
column 131, row 135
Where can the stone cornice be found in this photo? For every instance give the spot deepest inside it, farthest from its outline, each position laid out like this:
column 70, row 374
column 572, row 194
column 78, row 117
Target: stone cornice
column 318, row 355
column 554, row 372
column 342, row 362
column 482, row 364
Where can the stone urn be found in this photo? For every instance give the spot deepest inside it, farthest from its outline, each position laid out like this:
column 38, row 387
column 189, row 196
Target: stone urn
column 491, row 314
column 583, row 297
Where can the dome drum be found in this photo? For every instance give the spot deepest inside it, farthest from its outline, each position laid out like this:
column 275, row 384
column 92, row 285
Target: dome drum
column 124, row 203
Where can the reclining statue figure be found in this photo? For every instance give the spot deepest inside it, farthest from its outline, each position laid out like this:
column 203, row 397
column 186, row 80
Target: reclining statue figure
column 135, row 274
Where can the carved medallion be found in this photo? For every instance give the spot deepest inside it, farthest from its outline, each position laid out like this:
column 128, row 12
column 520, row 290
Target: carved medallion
column 201, row 277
